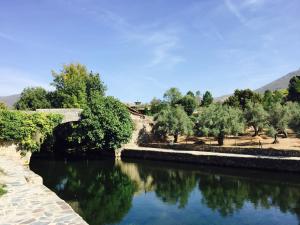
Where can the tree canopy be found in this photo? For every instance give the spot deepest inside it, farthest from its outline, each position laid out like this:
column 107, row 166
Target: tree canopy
column 240, row 98
column 256, row 116
column 294, row 89
column 218, row 120
column 172, row 121
column 33, row 98
column 75, row 85
column 207, row 99
column 172, row 96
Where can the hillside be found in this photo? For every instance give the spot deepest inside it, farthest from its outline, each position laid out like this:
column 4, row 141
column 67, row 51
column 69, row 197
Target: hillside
column 10, row 100
column 281, row 83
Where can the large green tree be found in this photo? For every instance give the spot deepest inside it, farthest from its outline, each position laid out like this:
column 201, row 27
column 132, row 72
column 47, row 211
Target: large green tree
column 2, row 106
column 32, row 99
column 172, row 96
column 294, row 89
column 75, row 86
column 172, row 121
column 105, row 124
column 273, row 97
column 189, row 103
column 207, row 99
column 256, row 116
column 240, row 98
column 220, row 120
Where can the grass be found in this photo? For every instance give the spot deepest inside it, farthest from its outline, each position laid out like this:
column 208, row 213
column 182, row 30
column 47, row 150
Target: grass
column 2, row 190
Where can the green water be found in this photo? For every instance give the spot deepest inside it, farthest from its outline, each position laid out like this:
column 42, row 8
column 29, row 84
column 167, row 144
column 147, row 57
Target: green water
column 150, row 193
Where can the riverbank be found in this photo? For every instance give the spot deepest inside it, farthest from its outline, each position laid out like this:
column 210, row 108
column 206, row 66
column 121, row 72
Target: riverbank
column 28, row 201
column 276, row 163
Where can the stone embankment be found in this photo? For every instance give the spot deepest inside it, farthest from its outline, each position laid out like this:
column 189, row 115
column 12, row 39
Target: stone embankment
column 279, row 163
column 27, row 200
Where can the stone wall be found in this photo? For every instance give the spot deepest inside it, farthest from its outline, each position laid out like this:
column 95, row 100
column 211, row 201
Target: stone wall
column 70, row 115
column 10, row 150
column 291, row 164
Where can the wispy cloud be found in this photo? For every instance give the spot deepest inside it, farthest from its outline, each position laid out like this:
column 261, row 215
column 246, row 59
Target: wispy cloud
column 160, row 41
column 235, row 11
column 7, row 37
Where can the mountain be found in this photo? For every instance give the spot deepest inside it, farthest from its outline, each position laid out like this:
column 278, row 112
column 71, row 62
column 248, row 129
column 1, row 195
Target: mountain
column 10, row 100
column 281, row 83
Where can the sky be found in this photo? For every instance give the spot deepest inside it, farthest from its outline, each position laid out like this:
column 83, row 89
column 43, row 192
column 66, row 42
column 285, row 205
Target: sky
column 142, row 48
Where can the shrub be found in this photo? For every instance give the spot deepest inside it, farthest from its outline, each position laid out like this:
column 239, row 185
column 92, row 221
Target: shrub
column 27, row 130
column 105, row 124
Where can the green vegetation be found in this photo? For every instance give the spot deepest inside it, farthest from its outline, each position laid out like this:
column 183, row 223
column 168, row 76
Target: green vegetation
column 218, row 120
column 240, row 98
column 294, row 89
column 2, row 106
column 28, row 130
column 33, row 98
column 256, row 117
column 172, row 121
column 2, row 190
column 207, row 99
column 104, row 124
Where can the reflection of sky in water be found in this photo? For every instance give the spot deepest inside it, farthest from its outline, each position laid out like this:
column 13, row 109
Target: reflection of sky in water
column 153, row 193
column 61, row 185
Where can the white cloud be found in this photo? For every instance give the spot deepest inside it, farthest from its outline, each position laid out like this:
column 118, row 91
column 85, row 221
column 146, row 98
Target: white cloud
column 235, row 11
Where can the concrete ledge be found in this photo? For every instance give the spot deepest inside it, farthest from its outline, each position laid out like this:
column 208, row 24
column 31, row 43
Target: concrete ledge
column 277, row 163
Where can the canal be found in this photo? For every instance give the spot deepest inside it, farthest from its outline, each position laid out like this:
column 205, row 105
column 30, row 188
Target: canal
column 139, row 192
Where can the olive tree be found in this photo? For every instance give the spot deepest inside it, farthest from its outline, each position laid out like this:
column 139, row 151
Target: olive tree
column 172, row 96
column 255, row 116
column 172, row 121
column 279, row 119
column 220, row 120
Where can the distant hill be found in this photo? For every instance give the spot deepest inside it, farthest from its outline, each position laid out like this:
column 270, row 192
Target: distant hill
column 281, row 83
column 10, row 100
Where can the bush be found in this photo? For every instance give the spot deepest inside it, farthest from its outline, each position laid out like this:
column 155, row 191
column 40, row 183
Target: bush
column 27, row 130
column 105, row 124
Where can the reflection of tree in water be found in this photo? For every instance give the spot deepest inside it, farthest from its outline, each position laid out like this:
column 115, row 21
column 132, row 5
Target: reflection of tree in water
column 229, row 194
column 102, row 192
column 170, row 185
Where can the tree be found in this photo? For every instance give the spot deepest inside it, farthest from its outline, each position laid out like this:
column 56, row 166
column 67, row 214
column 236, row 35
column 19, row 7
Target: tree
column 279, row 119
column 207, row 99
column 240, row 98
column 273, row 97
column 220, row 120
column 32, row 99
column 3, row 106
column 294, row 89
column 172, row 121
column 189, row 104
column 75, row 86
column 156, row 105
column 172, row 96
column 105, row 124
column 294, row 110
column 255, row 116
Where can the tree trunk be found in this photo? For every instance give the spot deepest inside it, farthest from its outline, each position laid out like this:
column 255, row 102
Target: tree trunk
column 276, row 139
column 255, row 131
column 285, row 134
column 175, row 138
column 221, row 137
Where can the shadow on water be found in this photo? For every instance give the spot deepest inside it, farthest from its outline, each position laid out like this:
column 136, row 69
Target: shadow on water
column 108, row 192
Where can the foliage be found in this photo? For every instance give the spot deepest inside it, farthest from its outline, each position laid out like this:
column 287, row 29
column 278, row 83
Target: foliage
column 172, row 121
column 220, row 120
column 75, row 86
column 256, row 116
column 2, row 190
column 28, row 130
column 294, row 89
column 189, row 103
column 32, row 99
column 240, row 98
column 104, row 124
column 172, row 96
column 279, row 119
column 273, row 97
column 156, row 105
column 207, row 99
column 2, row 106
column 294, row 110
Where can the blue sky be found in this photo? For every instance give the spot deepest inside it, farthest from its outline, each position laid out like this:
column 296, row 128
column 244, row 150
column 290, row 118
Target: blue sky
column 141, row 48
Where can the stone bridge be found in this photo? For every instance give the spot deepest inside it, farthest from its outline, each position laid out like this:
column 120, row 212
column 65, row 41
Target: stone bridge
column 70, row 115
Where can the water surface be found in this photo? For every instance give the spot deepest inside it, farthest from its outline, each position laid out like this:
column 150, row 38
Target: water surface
column 150, row 193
